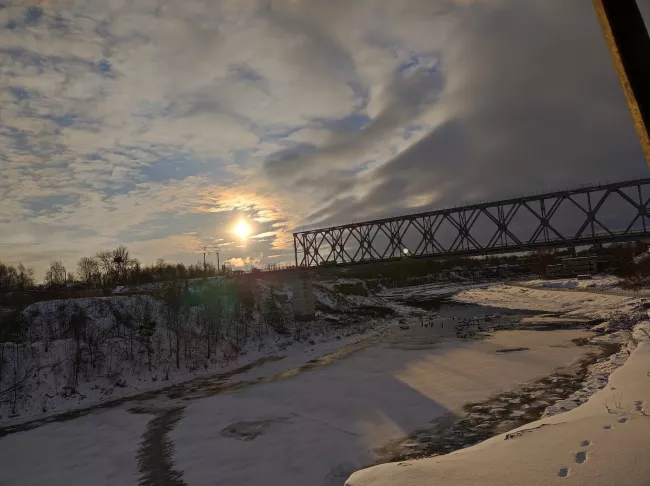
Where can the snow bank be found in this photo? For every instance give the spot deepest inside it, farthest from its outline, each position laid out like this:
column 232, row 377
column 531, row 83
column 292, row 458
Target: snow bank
column 427, row 291
column 597, row 282
column 569, row 303
column 603, row 442
column 642, row 257
column 344, row 295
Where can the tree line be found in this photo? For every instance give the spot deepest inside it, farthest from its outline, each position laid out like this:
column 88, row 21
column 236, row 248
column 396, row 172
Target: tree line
column 104, row 269
column 15, row 278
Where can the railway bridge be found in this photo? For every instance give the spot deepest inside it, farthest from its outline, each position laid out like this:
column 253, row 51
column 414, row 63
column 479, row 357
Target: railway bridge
column 608, row 213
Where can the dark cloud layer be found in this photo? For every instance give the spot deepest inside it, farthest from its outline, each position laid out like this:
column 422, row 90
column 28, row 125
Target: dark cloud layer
column 534, row 104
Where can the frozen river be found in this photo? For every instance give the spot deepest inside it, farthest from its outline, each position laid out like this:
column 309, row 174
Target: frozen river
column 314, row 426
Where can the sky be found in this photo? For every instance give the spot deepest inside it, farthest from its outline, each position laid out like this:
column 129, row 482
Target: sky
column 160, row 124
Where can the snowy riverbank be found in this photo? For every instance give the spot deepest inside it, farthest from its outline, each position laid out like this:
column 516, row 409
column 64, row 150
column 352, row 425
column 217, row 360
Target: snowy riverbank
column 301, row 420
column 568, row 303
column 603, row 442
column 79, row 353
column 600, row 442
column 313, row 414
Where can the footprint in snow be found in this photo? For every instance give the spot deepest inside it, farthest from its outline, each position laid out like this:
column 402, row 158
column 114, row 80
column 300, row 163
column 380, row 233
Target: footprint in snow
column 607, row 427
column 563, row 472
column 622, row 420
column 585, row 443
column 581, row 457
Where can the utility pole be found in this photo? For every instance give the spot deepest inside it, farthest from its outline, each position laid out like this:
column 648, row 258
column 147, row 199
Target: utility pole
column 206, row 251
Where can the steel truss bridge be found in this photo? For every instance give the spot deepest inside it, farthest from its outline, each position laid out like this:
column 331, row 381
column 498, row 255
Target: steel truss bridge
column 600, row 214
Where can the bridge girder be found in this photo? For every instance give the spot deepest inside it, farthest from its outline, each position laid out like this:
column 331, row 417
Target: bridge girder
column 420, row 235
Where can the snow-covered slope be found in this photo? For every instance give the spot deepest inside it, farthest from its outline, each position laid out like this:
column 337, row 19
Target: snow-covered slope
column 75, row 353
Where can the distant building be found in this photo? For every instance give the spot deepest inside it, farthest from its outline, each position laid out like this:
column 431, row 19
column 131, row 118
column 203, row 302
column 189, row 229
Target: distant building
column 580, row 265
column 585, row 265
column 554, row 270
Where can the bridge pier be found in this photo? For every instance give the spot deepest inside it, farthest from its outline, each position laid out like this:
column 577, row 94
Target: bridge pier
column 304, row 308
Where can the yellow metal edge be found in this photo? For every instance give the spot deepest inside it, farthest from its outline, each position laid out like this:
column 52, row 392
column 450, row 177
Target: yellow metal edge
column 622, row 75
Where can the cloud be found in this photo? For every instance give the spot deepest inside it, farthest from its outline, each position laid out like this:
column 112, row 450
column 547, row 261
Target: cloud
column 520, row 114
column 241, row 263
column 158, row 123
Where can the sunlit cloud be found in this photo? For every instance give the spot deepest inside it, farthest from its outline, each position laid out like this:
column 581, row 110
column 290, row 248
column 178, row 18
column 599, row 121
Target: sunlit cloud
column 243, row 262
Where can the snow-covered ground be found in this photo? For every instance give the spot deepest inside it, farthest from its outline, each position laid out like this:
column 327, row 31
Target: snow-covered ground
column 314, row 419
column 319, row 427
column 45, row 362
column 427, row 291
column 101, row 448
column 603, row 442
column 598, row 282
column 315, row 425
column 569, row 303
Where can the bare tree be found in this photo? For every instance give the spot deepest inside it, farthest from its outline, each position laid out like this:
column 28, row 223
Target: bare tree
column 24, row 277
column 134, row 270
column 105, row 259
column 8, row 277
column 88, row 270
column 212, row 314
column 78, row 321
column 173, row 299
column 146, row 328
column 121, row 262
column 55, row 275
column 160, row 266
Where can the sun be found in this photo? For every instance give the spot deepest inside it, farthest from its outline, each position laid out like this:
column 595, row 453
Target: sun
column 242, row 229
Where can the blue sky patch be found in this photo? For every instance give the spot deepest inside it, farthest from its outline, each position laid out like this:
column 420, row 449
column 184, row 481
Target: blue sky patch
column 244, row 72
column 33, row 15
column 63, row 120
column 410, row 130
column 48, row 204
column 351, row 123
column 181, row 167
column 19, row 93
column 104, row 66
column 272, row 134
column 411, row 63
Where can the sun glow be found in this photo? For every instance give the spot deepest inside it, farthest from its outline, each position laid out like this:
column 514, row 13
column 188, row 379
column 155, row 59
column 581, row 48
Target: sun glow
column 242, row 229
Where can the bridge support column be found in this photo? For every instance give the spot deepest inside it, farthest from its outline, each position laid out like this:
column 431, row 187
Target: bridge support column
column 304, row 308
